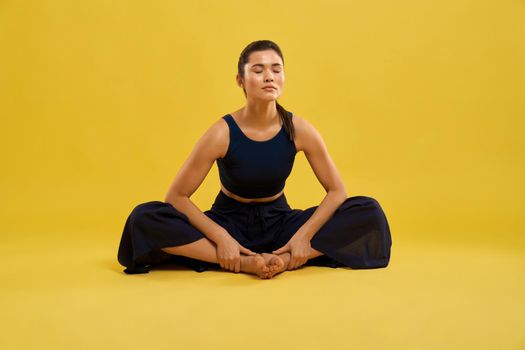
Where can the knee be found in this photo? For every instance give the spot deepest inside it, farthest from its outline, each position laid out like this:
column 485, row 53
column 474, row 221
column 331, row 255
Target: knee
column 150, row 204
column 365, row 207
column 379, row 214
column 373, row 204
column 371, row 201
column 360, row 201
column 156, row 211
column 141, row 210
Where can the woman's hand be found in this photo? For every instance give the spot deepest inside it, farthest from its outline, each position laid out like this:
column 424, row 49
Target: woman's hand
column 300, row 249
column 228, row 254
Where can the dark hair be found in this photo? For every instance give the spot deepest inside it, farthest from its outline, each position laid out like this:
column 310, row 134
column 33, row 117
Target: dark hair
column 261, row 45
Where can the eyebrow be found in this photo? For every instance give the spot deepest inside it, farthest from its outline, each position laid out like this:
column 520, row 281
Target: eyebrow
column 262, row 65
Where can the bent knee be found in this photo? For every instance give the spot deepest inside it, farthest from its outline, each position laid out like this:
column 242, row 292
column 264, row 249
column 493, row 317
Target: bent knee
column 138, row 213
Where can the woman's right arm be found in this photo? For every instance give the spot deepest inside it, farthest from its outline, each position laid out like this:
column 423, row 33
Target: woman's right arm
column 207, row 149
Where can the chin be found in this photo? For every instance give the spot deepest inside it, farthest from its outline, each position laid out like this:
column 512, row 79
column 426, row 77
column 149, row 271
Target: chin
column 269, row 98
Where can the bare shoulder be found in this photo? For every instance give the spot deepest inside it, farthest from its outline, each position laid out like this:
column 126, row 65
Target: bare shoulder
column 213, row 143
column 305, row 133
column 219, row 135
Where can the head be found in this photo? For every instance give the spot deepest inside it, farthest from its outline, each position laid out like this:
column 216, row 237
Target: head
column 261, row 63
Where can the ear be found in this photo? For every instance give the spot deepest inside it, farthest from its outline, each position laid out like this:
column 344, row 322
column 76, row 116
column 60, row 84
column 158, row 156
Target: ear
column 239, row 80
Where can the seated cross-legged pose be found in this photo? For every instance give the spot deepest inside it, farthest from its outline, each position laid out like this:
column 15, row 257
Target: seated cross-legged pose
column 250, row 227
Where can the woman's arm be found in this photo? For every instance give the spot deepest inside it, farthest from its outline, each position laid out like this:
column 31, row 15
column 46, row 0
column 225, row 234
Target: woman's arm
column 326, row 172
column 207, row 149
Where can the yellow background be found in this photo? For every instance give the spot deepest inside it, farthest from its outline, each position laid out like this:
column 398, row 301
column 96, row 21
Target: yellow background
column 421, row 105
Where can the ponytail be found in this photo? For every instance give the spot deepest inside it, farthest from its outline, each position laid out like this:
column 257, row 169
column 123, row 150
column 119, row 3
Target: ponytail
column 286, row 118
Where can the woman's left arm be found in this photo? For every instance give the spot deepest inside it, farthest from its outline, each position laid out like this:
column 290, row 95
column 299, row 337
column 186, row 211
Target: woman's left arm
column 326, row 172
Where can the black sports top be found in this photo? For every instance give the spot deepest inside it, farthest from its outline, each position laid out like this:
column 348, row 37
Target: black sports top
column 256, row 169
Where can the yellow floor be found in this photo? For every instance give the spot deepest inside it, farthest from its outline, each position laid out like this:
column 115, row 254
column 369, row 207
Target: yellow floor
column 68, row 292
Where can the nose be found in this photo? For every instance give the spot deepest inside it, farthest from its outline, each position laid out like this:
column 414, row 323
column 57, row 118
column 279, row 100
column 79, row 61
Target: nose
column 268, row 77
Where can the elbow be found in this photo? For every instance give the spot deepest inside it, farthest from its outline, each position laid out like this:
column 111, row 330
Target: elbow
column 340, row 193
column 173, row 198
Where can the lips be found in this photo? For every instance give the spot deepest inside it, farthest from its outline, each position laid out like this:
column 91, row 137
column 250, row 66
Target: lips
column 270, row 87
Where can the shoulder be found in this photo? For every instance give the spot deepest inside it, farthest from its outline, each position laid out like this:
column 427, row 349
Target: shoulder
column 219, row 127
column 306, row 134
column 213, row 143
column 218, row 136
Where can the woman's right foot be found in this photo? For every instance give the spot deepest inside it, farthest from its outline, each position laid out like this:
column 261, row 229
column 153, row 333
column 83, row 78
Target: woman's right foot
column 254, row 264
column 276, row 263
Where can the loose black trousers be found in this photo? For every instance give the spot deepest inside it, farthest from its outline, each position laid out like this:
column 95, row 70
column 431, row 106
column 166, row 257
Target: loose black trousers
column 356, row 236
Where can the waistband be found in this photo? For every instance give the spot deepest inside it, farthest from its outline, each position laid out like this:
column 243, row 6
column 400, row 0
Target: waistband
column 223, row 200
column 256, row 211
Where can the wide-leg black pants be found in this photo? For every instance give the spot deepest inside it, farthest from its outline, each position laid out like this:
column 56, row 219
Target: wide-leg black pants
column 356, row 236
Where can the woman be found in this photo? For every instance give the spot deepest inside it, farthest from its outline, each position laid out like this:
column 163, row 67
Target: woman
column 250, row 227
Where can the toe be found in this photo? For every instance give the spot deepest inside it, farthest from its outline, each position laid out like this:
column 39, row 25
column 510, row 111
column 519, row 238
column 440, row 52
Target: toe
column 275, row 264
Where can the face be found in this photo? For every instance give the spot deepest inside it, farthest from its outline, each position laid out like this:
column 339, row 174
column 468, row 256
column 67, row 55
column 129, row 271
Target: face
column 263, row 68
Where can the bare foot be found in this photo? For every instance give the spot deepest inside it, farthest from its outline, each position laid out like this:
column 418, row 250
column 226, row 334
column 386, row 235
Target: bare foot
column 254, row 264
column 275, row 263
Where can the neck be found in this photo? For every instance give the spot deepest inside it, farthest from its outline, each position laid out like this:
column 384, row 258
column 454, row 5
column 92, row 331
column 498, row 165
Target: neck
column 260, row 113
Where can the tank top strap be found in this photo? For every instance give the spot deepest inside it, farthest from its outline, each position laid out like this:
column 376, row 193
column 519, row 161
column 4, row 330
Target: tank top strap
column 235, row 131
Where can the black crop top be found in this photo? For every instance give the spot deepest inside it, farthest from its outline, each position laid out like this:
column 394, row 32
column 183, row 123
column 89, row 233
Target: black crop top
column 256, row 169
